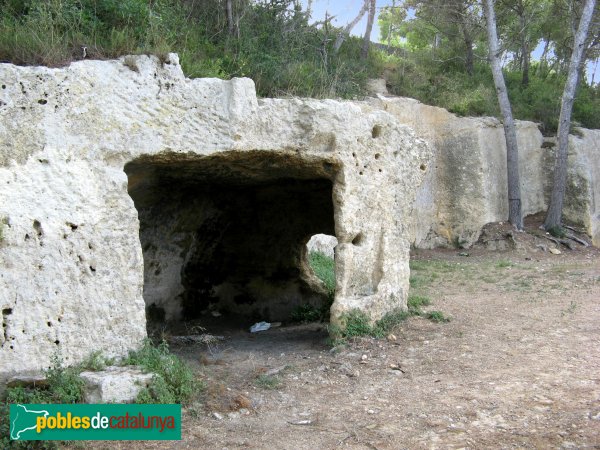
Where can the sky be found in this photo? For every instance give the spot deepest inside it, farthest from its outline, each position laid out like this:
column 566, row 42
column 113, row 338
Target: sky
column 346, row 10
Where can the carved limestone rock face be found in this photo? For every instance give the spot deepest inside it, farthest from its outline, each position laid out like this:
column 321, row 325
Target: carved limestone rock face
column 466, row 187
column 129, row 192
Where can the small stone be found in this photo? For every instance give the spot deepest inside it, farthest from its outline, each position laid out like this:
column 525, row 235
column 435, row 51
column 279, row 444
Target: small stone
column 370, row 411
column 114, row 384
column 348, row 370
column 363, row 357
column 392, row 337
column 217, row 415
column 555, row 251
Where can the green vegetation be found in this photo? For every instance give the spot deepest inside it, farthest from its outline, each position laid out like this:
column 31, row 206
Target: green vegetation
column 557, row 232
column 423, row 273
column 174, row 381
column 502, row 264
column 437, row 316
column 275, row 44
column 308, row 313
column 324, row 268
column 63, row 386
column 95, row 362
column 267, row 381
column 356, row 322
column 415, row 302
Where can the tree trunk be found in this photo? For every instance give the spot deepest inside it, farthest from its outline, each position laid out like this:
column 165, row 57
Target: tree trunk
column 229, row 10
column 554, row 214
column 524, row 51
column 515, row 215
column 342, row 36
column 367, row 39
column 526, row 58
column 469, row 59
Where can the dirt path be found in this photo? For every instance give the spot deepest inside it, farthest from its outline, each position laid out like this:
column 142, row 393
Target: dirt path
column 518, row 366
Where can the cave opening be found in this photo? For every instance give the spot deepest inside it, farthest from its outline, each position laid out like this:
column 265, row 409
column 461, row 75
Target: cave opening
column 225, row 234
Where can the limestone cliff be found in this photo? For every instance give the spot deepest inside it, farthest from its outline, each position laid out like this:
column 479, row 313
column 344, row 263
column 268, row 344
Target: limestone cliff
column 466, row 187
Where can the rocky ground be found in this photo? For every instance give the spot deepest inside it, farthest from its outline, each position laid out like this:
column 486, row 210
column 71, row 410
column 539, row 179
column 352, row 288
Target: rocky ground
column 517, row 366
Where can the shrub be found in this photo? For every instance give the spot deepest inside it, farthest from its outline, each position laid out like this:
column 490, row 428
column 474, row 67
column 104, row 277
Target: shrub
column 174, row 381
column 437, row 316
column 267, row 381
column 306, row 313
column 557, row 231
column 63, row 386
column 415, row 302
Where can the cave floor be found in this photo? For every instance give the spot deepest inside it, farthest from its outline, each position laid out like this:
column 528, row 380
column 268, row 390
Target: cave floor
column 518, row 365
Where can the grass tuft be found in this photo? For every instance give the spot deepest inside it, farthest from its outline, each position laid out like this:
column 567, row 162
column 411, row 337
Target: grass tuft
column 415, row 302
column 267, row 381
column 502, row 264
column 437, row 316
column 174, row 381
column 557, row 231
column 324, row 268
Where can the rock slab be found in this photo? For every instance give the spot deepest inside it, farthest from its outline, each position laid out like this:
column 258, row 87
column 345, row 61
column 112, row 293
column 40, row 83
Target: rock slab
column 114, row 384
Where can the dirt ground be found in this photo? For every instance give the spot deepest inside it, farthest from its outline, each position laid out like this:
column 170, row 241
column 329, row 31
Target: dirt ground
column 518, row 366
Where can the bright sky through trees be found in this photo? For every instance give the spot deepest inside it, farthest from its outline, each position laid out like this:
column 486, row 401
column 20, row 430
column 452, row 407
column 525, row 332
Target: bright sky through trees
column 346, row 10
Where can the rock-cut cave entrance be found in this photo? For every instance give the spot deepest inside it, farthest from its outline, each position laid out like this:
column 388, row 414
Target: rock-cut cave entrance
column 226, row 234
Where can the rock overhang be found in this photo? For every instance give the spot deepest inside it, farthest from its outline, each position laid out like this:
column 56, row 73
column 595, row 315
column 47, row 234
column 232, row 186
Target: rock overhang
column 72, row 262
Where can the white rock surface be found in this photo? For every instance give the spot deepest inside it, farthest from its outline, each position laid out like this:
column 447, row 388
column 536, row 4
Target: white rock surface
column 114, row 384
column 322, row 243
column 71, row 261
column 582, row 199
column 466, row 186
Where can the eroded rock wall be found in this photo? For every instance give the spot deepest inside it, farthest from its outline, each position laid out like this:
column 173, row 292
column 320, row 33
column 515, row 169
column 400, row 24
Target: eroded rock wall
column 466, row 186
column 72, row 265
column 582, row 198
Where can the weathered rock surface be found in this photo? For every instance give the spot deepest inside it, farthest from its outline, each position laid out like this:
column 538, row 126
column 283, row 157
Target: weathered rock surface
column 114, row 384
column 127, row 188
column 322, row 243
column 582, row 199
column 466, row 187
